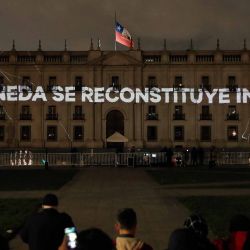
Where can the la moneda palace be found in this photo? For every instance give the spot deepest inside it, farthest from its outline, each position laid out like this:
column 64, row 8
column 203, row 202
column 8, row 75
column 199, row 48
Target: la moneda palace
column 145, row 125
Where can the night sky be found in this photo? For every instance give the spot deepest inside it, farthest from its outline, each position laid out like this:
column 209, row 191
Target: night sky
column 178, row 21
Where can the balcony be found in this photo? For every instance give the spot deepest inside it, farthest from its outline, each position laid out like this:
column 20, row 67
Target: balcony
column 2, row 117
column 179, row 116
column 52, row 116
column 232, row 87
column 25, row 116
column 233, row 117
column 205, row 117
column 78, row 116
column 152, row 116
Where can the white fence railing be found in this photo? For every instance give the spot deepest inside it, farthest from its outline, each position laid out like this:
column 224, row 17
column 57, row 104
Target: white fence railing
column 115, row 159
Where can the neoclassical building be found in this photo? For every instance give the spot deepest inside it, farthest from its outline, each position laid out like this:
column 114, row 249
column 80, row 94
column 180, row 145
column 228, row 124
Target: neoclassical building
column 145, row 125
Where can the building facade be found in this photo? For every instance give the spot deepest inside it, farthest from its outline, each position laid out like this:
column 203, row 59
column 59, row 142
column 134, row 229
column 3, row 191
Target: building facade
column 146, row 125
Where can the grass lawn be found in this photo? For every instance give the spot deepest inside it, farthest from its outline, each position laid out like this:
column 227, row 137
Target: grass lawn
column 218, row 210
column 193, row 176
column 13, row 213
column 34, row 179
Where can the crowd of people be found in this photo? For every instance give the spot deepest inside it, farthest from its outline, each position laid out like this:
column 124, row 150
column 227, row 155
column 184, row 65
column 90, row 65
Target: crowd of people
column 47, row 229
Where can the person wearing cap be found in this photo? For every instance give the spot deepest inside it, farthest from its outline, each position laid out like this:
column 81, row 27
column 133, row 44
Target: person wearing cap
column 44, row 230
column 192, row 237
column 126, row 228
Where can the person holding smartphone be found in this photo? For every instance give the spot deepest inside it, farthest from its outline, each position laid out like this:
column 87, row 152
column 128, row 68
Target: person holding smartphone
column 46, row 228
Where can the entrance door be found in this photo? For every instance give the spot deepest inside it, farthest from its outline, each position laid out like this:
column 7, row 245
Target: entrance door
column 115, row 123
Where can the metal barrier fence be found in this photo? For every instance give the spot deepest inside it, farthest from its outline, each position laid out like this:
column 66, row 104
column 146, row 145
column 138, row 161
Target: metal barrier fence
column 27, row 158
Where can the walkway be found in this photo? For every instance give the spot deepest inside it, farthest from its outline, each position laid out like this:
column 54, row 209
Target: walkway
column 93, row 197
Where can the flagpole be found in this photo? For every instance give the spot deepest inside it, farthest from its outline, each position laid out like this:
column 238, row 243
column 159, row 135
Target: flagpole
column 115, row 30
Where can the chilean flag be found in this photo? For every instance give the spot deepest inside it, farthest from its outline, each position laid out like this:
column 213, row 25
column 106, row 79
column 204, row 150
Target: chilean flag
column 123, row 36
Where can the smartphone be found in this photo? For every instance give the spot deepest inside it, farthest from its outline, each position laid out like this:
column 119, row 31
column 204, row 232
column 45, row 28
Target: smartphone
column 71, row 235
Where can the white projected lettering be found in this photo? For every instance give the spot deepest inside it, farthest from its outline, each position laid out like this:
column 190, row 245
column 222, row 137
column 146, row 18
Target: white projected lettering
column 13, row 93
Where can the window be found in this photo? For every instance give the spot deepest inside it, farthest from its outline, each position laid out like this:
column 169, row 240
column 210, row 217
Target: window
column 178, row 109
column 1, row 83
column 52, row 83
column 152, row 115
column 205, row 85
column 2, row 110
column 52, row 80
column 78, row 133
column 178, row 82
column 178, row 113
column 232, row 83
column 152, row 82
column 26, row 80
column 25, row 113
column 51, row 133
column 78, row 114
column 151, row 109
column 52, row 114
column 205, row 114
column 78, row 83
column 51, row 109
column 232, row 133
column 25, row 109
column 115, row 83
column 205, row 80
column 205, row 133
column 232, row 113
column 25, row 133
column 205, row 109
column 231, row 80
column 2, row 113
column 152, row 133
column 178, row 133
column 78, row 110
column 1, row 80
column 1, row 133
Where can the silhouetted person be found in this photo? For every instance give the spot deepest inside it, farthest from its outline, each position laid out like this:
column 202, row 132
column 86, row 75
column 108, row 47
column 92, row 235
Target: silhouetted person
column 126, row 226
column 213, row 157
column 192, row 237
column 45, row 229
column 194, row 156
column 169, row 157
column 201, row 156
column 186, row 156
column 94, row 239
column 239, row 235
column 4, row 245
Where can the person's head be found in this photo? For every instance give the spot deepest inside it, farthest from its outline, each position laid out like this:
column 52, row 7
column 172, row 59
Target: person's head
column 126, row 221
column 94, row 239
column 50, row 201
column 197, row 224
column 239, row 223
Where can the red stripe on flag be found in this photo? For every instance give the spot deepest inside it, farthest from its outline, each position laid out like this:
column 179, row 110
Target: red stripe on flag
column 123, row 40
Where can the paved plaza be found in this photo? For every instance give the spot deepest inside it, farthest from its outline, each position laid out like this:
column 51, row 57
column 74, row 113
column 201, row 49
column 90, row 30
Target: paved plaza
column 94, row 195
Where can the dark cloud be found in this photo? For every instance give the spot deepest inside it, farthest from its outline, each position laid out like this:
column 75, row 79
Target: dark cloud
column 178, row 21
